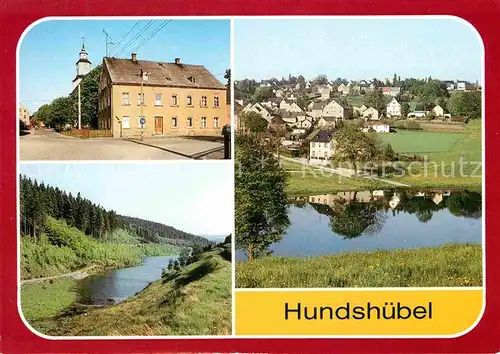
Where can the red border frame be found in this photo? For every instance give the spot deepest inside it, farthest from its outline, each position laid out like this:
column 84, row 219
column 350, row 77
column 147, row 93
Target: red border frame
column 16, row 15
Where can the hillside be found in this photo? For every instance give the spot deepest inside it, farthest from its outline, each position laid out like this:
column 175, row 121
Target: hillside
column 196, row 300
column 39, row 200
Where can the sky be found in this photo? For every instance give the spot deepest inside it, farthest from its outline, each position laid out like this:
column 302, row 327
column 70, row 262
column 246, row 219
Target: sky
column 49, row 50
column 356, row 49
column 193, row 197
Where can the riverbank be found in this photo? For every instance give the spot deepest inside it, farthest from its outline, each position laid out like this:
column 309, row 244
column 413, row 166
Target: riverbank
column 63, row 249
column 194, row 301
column 449, row 265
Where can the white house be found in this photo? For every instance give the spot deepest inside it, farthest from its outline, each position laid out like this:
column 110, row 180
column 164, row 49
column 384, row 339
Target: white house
column 370, row 114
column 326, row 122
column 284, row 104
column 324, row 91
column 461, row 86
column 438, row 111
column 417, row 114
column 334, row 109
column 378, row 127
column 315, row 109
column 294, row 107
column 391, row 91
column 261, row 109
column 393, row 108
column 321, row 148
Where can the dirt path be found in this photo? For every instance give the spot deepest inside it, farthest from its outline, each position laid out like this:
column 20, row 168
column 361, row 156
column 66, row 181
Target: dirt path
column 79, row 274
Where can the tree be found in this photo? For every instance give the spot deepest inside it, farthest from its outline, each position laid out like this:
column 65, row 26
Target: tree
column 260, row 200
column 254, row 122
column 262, row 94
column 89, row 87
column 352, row 145
column 467, row 104
column 389, row 154
column 227, row 76
column 353, row 218
column 405, row 109
column 376, row 99
column 321, row 79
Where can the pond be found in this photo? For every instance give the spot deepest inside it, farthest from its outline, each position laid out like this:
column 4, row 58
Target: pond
column 380, row 219
column 116, row 285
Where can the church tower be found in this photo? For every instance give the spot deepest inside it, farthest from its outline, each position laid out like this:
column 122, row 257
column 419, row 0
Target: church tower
column 82, row 66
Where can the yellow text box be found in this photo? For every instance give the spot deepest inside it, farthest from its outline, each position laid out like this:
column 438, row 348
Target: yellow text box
column 443, row 312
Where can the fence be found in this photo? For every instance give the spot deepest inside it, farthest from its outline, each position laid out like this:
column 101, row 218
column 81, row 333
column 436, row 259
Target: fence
column 91, row 133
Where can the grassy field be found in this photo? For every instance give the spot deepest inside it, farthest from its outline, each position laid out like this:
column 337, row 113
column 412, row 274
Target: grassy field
column 41, row 302
column 306, row 179
column 420, row 142
column 449, row 265
column 194, row 301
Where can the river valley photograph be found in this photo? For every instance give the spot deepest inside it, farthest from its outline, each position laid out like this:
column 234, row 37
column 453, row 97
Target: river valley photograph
column 126, row 249
column 358, row 153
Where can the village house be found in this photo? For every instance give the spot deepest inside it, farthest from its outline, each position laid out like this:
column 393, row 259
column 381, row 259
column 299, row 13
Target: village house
column 334, row 109
column 315, row 109
column 324, row 92
column 260, row 109
column 284, row 104
column 306, row 123
column 393, row 108
column 172, row 98
column 321, row 148
column 391, row 91
column 438, row 111
column 294, row 107
column 24, row 115
column 326, row 122
column 370, row 114
column 378, row 127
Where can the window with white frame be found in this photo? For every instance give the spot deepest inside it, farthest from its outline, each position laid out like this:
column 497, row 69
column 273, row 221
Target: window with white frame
column 189, row 100
column 203, row 101
column 158, row 99
column 174, row 100
column 216, row 101
column 203, row 122
column 125, row 122
column 140, row 99
column 189, row 122
column 125, row 99
column 216, row 122
column 174, row 122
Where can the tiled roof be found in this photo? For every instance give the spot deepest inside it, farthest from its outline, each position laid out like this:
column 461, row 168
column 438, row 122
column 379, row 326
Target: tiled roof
column 126, row 71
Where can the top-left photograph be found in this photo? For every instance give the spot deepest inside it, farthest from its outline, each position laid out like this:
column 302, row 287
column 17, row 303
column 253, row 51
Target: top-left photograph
column 138, row 89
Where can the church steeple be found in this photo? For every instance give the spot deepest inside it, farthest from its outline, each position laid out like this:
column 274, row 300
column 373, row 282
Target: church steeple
column 82, row 65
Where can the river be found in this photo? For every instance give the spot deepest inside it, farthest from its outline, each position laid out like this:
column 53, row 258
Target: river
column 116, row 285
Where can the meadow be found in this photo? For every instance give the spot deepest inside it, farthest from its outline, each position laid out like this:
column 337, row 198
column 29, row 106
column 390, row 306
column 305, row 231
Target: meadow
column 196, row 300
column 442, row 149
column 449, row 265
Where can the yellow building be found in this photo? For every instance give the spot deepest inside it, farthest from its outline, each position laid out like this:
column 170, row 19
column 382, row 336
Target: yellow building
column 177, row 99
column 24, row 115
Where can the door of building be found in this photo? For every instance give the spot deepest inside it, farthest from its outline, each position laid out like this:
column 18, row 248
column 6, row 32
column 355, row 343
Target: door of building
column 159, row 125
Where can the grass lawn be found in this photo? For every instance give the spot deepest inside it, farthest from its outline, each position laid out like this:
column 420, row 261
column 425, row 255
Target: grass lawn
column 306, row 179
column 42, row 301
column 443, row 150
column 449, row 265
column 195, row 301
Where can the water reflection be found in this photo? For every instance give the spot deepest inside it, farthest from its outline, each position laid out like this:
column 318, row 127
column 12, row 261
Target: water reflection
column 364, row 212
column 379, row 219
column 116, row 285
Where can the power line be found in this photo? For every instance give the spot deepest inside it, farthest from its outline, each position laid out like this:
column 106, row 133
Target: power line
column 151, row 36
column 125, row 36
column 146, row 27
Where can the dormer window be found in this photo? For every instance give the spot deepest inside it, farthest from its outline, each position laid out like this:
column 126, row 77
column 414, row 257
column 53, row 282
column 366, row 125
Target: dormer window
column 192, row 79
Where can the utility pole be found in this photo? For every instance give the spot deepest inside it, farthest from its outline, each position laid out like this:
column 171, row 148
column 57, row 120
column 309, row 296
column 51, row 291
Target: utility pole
column 144, row 75
column 79, row 107
column 108, row 41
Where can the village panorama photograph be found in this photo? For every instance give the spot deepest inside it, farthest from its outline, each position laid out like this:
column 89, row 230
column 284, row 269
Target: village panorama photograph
column 358, row 152
column 104, row 251
column 125, row 90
